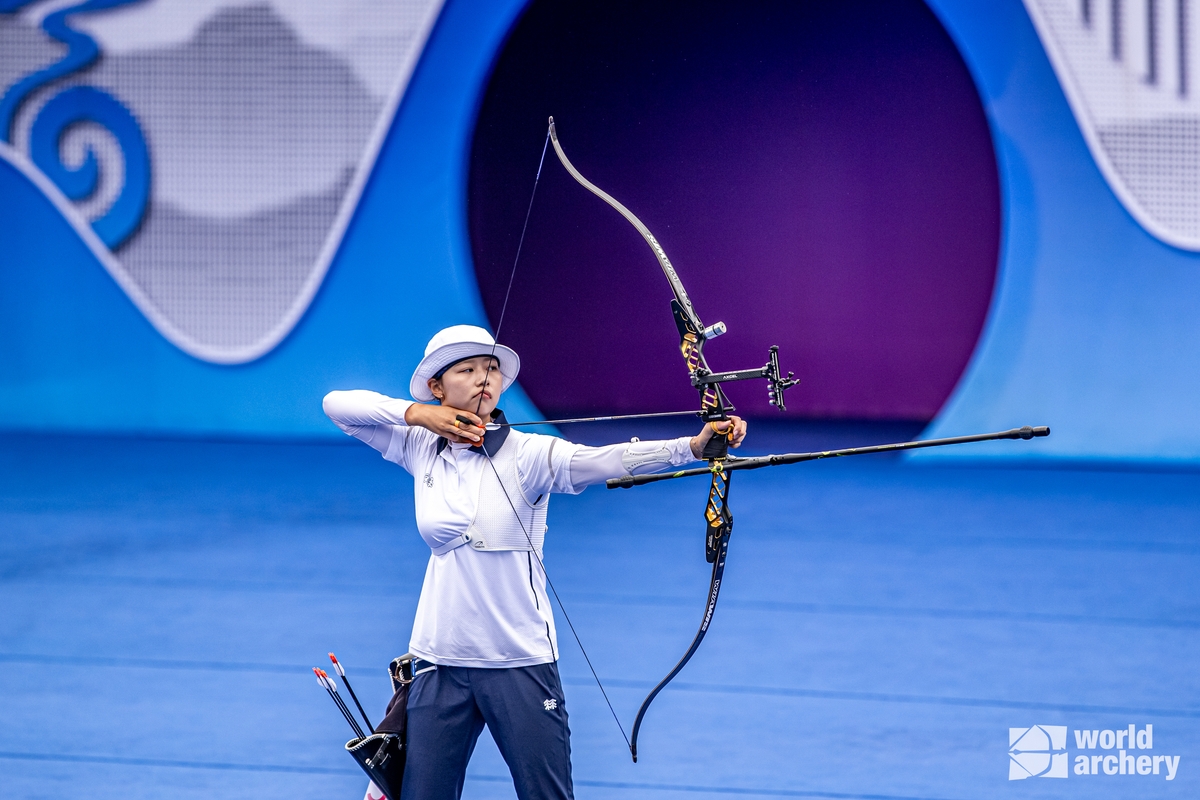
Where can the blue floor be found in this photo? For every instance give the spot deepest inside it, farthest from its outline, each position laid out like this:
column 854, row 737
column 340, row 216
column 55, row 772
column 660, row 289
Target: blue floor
column 881, row 627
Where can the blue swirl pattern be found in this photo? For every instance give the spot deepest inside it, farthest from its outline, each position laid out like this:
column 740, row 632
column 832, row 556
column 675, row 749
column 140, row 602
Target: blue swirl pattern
column 75, row 105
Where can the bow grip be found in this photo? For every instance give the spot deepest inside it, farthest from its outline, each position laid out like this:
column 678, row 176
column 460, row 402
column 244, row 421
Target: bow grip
column 717, row 446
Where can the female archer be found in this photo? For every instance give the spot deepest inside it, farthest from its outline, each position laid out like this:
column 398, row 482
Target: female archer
column 484, row 636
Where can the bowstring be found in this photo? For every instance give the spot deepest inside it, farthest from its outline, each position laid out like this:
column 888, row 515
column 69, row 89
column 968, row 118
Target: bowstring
column 483, row 446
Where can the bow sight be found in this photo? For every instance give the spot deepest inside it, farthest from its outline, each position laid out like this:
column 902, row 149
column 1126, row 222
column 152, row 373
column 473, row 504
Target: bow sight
column 705, row 380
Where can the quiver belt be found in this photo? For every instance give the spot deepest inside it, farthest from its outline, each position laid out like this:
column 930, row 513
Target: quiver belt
column 381, row 755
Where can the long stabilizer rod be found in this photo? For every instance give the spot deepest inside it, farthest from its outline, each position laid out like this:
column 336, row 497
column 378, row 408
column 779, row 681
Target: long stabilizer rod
column 759, row 462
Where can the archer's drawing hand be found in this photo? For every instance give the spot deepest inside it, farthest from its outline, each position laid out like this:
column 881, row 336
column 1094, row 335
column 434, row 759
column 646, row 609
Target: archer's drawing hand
column 735, row 424
column 443, row 420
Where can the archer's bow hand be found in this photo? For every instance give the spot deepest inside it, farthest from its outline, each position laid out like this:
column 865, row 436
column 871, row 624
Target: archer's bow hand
column 445, row 421
column 734, row 428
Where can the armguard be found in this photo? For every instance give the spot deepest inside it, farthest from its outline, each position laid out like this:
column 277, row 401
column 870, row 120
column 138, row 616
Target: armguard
column 639, row 455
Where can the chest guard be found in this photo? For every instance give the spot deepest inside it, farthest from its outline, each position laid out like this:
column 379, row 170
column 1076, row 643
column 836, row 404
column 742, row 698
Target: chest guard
column 495, row 526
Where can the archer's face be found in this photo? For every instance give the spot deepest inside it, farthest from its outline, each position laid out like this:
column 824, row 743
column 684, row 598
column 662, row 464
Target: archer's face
column 468, row 385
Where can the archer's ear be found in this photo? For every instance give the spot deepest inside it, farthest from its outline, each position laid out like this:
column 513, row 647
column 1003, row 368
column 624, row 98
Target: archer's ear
column 435, row 388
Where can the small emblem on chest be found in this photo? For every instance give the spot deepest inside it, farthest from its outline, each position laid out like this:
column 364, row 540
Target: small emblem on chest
column 428, row 480
column 550, row 704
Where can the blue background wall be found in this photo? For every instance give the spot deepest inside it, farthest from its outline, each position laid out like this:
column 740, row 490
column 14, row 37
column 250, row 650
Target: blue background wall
column 1094, row 323
column 79, row 356
column 1091, row 328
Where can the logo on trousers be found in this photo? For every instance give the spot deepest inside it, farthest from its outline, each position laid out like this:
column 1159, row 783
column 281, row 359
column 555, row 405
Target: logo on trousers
column 1039, row 751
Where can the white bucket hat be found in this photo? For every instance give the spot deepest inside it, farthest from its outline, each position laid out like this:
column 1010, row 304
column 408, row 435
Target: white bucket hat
column 453, row 344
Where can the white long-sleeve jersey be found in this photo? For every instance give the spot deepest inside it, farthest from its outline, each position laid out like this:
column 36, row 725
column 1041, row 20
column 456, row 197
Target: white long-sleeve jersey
column 481, row 606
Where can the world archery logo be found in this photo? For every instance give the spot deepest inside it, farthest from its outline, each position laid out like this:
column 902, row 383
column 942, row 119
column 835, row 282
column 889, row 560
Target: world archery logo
column 1039, row 751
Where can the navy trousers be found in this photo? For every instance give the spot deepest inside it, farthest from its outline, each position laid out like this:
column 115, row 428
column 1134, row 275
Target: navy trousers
column 522, row 707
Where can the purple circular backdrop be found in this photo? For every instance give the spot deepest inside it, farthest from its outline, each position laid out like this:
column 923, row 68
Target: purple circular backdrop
column 820, row 173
